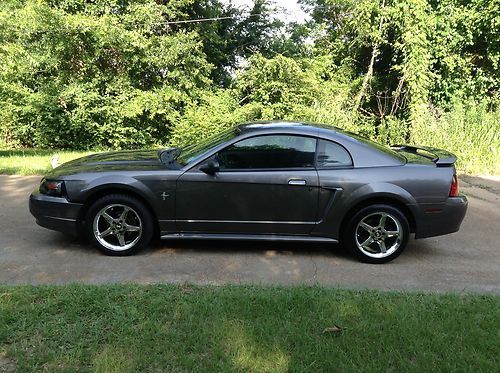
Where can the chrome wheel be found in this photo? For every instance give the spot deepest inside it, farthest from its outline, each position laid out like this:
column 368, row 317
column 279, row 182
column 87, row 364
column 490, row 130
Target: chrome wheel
column 379, row 235
column 117, row 227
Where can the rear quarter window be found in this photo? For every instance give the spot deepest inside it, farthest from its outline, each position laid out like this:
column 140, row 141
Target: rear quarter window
column 332, row 155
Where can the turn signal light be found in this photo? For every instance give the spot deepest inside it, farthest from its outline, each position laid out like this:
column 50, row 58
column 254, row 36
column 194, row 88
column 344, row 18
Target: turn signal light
column 51, row 188
column 454, row 187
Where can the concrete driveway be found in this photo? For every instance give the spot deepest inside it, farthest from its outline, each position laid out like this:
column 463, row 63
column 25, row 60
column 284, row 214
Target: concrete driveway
column 465, row 261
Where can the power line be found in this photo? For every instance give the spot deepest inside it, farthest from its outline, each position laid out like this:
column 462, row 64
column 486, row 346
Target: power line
column 274, row 11
column 197, row 20
column 206, row 19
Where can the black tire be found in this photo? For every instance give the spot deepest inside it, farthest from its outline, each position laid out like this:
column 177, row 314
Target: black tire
column 123, row 233
column 367, row 235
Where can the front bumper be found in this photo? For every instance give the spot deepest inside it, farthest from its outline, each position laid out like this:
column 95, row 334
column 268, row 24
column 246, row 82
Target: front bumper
column 55, row 213
column 443, row 218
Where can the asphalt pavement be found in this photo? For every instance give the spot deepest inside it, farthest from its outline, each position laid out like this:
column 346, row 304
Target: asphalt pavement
column 467, row 261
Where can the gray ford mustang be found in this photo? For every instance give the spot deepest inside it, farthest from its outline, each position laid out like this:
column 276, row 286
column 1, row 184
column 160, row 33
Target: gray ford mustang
column 258, row 181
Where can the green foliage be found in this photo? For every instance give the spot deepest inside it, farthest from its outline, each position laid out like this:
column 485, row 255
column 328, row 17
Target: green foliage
column 272, row 89
column 79, row 74
column 229, row 40
column 278, row 86
column 392, row 130
column 439, row 50
column 213, row 113
column 291, row 89
column 80, row 79
column 413, row 48
column 466, row 50
column 469, row 130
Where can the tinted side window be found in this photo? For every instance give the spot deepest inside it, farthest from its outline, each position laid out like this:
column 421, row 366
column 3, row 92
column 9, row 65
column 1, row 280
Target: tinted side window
column 332, row 155
column 269, row 152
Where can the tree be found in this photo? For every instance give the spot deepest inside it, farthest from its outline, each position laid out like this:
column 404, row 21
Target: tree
column 78, row 74
column 412, row 53
column 237, row 36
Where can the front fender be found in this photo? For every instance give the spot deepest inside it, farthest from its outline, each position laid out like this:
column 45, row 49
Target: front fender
column 80, row 191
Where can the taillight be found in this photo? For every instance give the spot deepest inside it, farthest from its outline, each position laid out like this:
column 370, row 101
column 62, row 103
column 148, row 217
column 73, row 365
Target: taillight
column 454, row 187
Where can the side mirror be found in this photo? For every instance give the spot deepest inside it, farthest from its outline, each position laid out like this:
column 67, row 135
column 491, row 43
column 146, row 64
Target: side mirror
column 210, row 168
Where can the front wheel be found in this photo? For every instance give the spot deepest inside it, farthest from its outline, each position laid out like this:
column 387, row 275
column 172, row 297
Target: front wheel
column 119, row 225
column 377, row 233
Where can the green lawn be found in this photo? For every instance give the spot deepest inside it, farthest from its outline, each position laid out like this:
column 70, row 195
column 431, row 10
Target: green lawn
column 32, row 161
column 244, row 328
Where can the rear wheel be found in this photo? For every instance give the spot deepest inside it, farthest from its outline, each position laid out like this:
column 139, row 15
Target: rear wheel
column 377, row 233
column 119, row 225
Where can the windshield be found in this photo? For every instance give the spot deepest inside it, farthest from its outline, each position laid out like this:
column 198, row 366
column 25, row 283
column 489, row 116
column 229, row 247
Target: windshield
column 192, row 153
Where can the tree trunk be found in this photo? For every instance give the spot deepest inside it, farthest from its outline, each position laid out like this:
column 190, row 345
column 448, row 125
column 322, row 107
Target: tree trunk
column 369, row 73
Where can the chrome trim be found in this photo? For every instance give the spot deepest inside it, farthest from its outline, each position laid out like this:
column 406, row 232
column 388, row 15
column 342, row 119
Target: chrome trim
column 331, row 188
column 246, row 237
column 247, row 222
column 59, row 218
column 296, row 182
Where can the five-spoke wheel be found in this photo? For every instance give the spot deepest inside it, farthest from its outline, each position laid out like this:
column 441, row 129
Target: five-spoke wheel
column 119, row 224
column 117, row 227
column 377, row 233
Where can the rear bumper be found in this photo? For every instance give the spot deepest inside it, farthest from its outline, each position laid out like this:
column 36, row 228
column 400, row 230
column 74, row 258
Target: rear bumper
column 55, row 213
column 443, row 218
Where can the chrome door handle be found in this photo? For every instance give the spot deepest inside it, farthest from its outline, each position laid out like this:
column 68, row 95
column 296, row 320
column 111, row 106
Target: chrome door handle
column 296, row 182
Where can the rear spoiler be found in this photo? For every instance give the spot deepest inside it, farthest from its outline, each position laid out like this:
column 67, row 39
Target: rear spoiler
column 440, row 157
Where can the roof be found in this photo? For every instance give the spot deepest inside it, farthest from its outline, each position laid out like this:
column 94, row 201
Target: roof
column 364, row 151
column 258, row 125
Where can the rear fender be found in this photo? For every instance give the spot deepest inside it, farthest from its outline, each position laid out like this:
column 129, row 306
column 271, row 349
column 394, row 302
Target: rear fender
column 332, row 220
column 385, row 190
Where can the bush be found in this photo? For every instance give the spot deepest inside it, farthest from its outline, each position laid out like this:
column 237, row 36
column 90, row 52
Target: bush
column 80, row 75
column 469, row 130
column 213, row 113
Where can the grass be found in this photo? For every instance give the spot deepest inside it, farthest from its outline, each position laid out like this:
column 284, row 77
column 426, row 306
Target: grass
column 244, row 328
column 32, row 161
column 471, row 133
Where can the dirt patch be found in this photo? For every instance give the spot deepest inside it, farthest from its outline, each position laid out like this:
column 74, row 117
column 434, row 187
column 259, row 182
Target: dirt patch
column 6, row 365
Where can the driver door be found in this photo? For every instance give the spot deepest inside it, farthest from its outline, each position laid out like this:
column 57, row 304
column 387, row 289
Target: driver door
column 265, row 185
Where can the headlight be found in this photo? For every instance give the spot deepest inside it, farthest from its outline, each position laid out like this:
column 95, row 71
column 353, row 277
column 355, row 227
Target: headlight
column 52, row 187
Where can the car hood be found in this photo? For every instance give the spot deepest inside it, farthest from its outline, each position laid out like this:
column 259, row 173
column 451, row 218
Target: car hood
column 127, row 160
